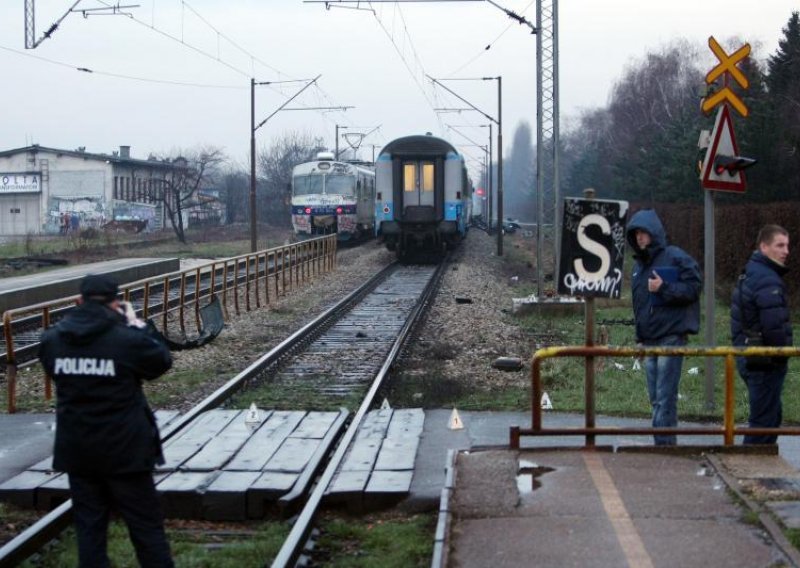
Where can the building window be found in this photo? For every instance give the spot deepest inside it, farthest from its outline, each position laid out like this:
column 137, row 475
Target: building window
column 116, row 187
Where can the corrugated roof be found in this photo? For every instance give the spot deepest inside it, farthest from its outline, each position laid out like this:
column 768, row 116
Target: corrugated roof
column 88, row 155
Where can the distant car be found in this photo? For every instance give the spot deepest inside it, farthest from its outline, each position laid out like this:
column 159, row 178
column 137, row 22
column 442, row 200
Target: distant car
column 510, row 225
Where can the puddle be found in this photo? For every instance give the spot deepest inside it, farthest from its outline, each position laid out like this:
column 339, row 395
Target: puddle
column 528, row 476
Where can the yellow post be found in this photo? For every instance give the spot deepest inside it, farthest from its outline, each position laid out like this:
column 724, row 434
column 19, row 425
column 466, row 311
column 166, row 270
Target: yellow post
column 729, row 400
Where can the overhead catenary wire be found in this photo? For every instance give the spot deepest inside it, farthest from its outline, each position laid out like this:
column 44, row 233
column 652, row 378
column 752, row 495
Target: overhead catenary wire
column 120, row 75
column 204, row 53
column 420, row 84
column 488, row 46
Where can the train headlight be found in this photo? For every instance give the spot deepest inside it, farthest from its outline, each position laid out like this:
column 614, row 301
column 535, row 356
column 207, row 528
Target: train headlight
column 339, row 210
column 308, row 210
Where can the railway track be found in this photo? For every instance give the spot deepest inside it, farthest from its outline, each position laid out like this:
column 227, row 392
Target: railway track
column 370, row 325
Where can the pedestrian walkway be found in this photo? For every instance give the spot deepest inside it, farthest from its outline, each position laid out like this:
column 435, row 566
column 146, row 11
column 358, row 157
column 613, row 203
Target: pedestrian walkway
column 599, row 509
column 20, row 291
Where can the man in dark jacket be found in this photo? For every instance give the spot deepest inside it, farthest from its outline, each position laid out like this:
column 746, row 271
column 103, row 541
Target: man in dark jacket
column 106, row 438
column 665, row 286
column 760, row 315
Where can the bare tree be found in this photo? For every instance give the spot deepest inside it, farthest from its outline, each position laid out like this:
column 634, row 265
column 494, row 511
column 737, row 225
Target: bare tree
column 235, row 186
column 196, row 170
column 275, row 167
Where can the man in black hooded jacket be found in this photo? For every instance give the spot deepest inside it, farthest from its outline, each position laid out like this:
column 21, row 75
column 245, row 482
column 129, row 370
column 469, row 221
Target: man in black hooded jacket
column 106, row 438
column 760, row 310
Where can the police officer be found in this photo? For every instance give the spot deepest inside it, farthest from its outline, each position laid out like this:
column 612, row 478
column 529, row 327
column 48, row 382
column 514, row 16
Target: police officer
column 106, row 435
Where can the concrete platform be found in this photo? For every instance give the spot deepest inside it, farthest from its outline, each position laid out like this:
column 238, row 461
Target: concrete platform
column 19, row 291
column 598, row 509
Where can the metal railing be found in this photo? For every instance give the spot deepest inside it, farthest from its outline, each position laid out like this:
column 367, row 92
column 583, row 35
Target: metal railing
column 168, row 299
column 728, row 429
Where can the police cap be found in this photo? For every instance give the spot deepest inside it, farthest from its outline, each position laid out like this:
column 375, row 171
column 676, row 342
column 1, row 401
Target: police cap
column 99, row 287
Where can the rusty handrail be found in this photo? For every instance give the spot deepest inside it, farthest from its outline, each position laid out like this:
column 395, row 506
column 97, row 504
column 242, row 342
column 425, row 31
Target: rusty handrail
column 45, row 310
column 728, row 429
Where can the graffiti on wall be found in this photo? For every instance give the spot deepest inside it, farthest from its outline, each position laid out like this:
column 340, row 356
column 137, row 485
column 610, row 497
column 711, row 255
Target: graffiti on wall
column 72, row 214
column 140, row 213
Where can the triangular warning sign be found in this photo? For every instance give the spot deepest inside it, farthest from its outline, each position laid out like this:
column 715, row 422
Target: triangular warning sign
column 385, row 404
column 455, row 422
column 547, row 404
column 723, row 143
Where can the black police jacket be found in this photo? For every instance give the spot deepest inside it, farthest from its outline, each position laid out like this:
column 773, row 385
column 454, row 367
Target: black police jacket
column 103, row 422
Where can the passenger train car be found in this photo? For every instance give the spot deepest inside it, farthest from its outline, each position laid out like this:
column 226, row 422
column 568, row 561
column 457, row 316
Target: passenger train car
column 333, row 197
column 424, row 200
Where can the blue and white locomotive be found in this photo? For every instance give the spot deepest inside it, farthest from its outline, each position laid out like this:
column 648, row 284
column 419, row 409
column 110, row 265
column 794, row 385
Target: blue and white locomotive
column 424, row 200
column 333, row 197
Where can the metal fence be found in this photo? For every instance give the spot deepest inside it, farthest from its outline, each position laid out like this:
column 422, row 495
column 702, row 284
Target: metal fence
column 241, row 282
column 727, row 430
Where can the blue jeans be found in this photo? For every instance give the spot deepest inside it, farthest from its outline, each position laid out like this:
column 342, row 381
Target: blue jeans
column 764, row 388
column 663, row 378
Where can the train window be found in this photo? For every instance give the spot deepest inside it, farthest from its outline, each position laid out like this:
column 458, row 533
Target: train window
column 409, row 177
column 307, row 185
column 340, row 185
column 427, row 177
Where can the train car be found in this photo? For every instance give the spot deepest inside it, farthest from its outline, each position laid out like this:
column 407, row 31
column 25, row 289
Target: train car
column 333, row 197
column 424, row 199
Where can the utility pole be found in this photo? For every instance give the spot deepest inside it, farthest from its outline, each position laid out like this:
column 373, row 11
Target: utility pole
column 253, row 128
column 500, row 164
column 499, row 123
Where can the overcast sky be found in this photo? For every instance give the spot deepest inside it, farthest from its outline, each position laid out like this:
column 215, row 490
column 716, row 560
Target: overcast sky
column 177, row 74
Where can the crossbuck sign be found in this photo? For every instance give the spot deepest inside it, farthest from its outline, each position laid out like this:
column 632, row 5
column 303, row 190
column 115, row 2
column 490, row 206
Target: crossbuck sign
column 592, row 247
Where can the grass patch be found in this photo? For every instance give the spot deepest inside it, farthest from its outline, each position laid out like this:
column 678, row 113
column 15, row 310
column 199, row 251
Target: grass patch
column 376, row 541
column 510, row 399
column 219, row 249
column 171, row 389
column 256, row 544
column 794, row 536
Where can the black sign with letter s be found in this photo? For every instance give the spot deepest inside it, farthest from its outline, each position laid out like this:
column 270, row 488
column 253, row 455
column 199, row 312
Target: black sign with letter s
column 592, row 247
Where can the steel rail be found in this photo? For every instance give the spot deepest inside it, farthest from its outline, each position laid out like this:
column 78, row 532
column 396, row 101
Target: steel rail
column 292, row 547
column 48, row 527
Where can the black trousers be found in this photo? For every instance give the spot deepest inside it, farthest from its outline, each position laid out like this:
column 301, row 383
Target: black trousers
column 134, row 497
column 765, row 388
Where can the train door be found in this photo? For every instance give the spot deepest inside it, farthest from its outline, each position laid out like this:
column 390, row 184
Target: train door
column 366, row 197
column 418, row 190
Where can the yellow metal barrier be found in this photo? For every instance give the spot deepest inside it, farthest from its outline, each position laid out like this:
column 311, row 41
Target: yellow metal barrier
column 239, row 275
column 728, row 430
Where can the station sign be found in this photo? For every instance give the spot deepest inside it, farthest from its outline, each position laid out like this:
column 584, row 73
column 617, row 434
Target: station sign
column 592, row 247
column 20, row 183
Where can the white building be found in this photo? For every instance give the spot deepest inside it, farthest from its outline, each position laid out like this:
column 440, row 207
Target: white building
column 47, row 191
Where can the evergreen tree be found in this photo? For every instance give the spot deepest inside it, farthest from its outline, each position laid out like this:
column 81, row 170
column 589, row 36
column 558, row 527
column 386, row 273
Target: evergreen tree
column 783, row 83
column 519, row 176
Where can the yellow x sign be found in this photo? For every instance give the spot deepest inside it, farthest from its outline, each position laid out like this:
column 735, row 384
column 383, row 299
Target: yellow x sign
column 727, row 63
